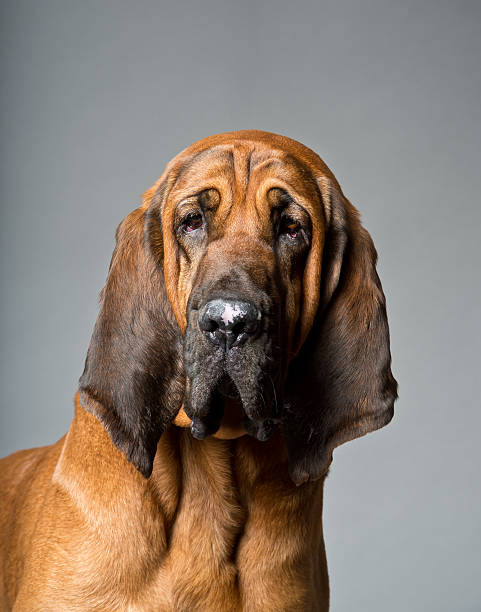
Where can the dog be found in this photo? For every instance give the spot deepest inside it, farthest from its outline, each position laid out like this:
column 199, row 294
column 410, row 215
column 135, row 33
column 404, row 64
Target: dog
column 242, row 336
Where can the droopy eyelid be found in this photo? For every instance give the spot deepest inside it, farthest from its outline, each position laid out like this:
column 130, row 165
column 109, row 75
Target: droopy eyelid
column 186, row 209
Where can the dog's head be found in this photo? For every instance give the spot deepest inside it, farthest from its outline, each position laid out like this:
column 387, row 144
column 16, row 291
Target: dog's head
column 245, row 282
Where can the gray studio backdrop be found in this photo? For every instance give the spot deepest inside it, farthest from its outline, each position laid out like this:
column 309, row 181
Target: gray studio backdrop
column 97, row 96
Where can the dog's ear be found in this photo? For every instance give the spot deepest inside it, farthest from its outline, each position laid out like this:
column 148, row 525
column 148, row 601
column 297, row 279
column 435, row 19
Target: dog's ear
column 133, row 380
column 340, row 385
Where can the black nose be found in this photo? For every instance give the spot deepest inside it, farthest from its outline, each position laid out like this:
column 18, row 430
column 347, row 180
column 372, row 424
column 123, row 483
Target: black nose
column 229, row 323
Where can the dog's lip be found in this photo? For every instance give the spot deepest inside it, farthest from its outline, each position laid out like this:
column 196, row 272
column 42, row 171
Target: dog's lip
column 230, row 426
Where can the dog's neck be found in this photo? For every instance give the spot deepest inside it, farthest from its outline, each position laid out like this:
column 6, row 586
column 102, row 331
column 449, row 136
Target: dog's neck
column 251, row 537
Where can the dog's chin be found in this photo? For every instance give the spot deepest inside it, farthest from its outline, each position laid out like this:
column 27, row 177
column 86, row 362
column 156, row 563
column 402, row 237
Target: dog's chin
column 226, row 416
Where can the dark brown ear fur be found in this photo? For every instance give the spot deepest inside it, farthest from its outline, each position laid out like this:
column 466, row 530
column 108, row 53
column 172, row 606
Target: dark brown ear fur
column 133, row 380
column 340, row 385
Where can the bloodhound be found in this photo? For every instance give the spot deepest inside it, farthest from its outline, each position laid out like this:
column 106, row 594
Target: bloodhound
column 242, row 336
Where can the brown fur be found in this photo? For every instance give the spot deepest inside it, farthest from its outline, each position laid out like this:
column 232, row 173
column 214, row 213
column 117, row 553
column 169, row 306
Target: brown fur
column 130, row 513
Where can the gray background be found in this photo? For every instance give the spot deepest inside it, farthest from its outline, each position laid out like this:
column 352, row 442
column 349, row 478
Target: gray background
column 96, row 97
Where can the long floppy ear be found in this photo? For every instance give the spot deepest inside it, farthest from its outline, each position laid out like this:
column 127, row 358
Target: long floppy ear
column 133, row 380
column 340, row 385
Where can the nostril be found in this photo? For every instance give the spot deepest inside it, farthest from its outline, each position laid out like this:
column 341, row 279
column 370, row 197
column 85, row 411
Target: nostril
column 208, row 325
column 238, row 328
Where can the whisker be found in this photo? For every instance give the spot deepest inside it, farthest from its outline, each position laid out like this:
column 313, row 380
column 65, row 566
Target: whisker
column 275, row 394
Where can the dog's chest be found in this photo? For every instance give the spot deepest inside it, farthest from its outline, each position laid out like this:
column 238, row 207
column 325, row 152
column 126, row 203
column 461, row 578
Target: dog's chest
column 216, row 527
column 232, row 547
column 203, row 535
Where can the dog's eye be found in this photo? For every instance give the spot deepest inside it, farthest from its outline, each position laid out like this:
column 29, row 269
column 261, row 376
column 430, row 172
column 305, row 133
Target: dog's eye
column 290, row 227
column 192, row 222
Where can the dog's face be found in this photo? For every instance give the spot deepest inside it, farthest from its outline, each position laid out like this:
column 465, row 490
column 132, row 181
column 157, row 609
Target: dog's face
column 239, row 226
column 253, row 275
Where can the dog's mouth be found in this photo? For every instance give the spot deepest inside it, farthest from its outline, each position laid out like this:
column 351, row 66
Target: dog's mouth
column 227, row 411
column 227, row 388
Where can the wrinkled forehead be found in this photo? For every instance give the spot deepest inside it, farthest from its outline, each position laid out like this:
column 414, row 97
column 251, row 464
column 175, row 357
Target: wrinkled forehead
column 239, row 170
